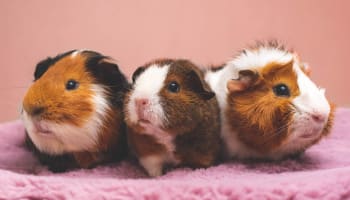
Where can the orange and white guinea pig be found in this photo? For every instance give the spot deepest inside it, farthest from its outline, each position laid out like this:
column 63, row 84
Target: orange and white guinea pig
column 172, row 116
column 73, row 111
column 270, row 109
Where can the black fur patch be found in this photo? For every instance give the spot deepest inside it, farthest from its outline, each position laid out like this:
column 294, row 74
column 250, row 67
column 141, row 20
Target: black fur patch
column 216, row 68
column 137, row 73
column 109, row 75
column 197, row 85
column 55, row 163
column 43, row 65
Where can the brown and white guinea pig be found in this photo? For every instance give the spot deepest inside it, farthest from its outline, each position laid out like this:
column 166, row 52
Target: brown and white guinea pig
column 172, row 116
column 73, row 111
column 270, row 108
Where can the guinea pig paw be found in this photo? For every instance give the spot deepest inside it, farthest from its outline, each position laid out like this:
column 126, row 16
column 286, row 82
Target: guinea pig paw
column 86, row 159
column 153, row 164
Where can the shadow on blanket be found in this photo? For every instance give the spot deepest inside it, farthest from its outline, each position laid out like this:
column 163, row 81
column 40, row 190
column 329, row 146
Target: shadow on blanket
column 323, row 172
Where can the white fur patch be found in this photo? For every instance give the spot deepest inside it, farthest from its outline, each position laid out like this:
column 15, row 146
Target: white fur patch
column 217, row 81
column 311, row 101
column 69, row 138
column 77, row 52
column 101, row 105
column 153, row 164
column 312, row 98
column 148, row 86
column 259, row 58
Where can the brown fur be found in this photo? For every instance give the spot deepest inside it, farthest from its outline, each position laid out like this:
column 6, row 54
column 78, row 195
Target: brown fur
column 144, row 145
column 72, row 107
column 215, row 68
column 193, row 118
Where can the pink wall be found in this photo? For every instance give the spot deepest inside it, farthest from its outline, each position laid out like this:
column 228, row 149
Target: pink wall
column 208, row 32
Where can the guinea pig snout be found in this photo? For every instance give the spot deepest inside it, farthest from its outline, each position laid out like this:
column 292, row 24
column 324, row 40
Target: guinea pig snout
column 33, row 104
column 318, row 117
column 141, row 102
column 37, row 110
column 41, row 127
column 34, row 110
column 141, row 105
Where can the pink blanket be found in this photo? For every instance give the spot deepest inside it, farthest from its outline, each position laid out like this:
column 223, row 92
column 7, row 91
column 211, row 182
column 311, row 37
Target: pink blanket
column 323, row 172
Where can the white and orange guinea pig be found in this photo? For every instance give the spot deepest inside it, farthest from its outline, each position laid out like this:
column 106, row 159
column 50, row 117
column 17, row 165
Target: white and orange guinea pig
column 270, row 109
column 73, row 111
column 172, row 117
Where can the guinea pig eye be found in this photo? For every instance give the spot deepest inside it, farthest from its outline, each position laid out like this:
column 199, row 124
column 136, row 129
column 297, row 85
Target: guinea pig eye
column 281, row 90
column 72, row 85
column 174, row 87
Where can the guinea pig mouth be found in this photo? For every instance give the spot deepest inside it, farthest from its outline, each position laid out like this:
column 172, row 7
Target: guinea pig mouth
column 42, row 128
column 313, row 134
column 144, row 117
column 144, row 121
column 307, row 136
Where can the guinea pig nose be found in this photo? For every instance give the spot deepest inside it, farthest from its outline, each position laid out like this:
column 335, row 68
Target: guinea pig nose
column 317, row 117
column 37, row 110
column 141, row 102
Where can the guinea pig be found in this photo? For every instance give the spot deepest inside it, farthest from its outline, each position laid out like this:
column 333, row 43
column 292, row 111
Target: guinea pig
column 73, row 111
column 270, row 108
column 172, row 116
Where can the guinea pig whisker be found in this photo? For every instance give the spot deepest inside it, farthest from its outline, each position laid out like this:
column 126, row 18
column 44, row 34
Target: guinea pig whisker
column 112, row 85
column 296, row 109
column 281, row 128
column 277, row 132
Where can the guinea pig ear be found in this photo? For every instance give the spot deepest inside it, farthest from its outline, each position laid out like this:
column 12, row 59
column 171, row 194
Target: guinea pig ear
column 197, row 85
column 42, row 67
column 246, row 79
column 107, row 72
column 136, row 73
column 306, row 68
column 303, row 65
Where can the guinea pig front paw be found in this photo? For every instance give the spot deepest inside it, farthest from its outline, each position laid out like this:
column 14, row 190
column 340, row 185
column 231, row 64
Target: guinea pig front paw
column 153, row 164
column 60, row 166
column 57, row 168
column 87, row 159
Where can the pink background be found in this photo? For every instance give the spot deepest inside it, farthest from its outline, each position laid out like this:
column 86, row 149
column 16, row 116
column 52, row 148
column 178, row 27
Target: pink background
column 133, row 32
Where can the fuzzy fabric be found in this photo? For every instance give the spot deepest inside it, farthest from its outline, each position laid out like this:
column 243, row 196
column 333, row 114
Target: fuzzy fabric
column 323, row 172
